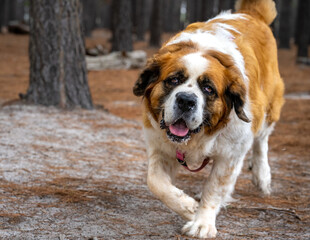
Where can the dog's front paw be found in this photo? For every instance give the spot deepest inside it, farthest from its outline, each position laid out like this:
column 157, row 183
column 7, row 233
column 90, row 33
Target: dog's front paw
column 200, row 229
column 190, row 207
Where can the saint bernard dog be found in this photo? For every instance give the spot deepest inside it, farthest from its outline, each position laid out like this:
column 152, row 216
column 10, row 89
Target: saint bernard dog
column 213, row 91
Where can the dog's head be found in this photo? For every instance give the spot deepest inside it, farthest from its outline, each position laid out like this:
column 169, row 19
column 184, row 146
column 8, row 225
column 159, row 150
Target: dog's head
column 188, row 90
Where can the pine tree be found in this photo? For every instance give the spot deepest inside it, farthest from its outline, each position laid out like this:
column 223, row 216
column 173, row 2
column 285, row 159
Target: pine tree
column 58, row 74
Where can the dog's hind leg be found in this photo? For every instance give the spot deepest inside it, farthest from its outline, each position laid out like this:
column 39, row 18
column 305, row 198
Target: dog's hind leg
column 260, row 167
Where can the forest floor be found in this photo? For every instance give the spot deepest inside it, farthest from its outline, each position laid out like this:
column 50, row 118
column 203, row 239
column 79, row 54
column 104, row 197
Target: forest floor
column 82, row 174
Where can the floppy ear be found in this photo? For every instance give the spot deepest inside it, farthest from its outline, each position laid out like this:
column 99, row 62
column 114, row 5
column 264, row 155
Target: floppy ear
column 235, row 97
column 235, row 93
column 149, row 75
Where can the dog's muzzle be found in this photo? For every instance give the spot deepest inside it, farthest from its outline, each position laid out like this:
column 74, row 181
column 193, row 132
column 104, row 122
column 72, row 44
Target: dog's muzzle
column 178, row 131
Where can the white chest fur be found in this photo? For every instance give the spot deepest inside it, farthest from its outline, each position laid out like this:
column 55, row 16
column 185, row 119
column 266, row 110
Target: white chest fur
column 234, row 139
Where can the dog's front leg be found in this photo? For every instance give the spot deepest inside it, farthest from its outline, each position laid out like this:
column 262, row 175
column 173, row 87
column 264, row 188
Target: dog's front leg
column 161, row 172
column 215, row 193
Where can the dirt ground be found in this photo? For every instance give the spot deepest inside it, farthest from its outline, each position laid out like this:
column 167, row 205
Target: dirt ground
column 82, row 174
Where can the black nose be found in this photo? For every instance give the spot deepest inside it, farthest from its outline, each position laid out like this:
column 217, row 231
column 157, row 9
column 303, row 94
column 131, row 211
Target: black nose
column 186, row 101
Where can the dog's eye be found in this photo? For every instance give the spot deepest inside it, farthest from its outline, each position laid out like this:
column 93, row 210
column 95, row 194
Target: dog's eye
column 174, row 81
column 208, row 90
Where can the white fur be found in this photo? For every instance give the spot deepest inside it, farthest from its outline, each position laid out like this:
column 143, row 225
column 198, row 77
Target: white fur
column 195, row 65
column 227, row 15
column 219, row 39
column 227, row 27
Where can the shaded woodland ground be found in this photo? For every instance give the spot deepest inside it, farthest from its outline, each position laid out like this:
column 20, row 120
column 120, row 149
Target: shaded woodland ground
column 82, row 174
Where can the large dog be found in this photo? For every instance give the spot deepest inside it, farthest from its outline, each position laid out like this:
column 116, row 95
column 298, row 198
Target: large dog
column 213, row 91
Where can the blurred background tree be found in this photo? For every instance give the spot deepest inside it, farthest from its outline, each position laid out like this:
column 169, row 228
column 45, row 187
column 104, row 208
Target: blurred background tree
column 172, row 15
column 121, row 25
column 303, row 31
column 58, row 74
column 89, row 16
column 140, row 17
column 285, row 16
column 156, row 23
column 4, row 14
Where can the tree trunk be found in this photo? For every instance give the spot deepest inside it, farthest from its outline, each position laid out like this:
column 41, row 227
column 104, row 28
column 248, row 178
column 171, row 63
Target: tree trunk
column 89, row 16
column 103, row 12
column 139, row 12
column 207, row 9
column 122, row 24
column 12, row 10
column 298, row 22
column 156, row 23
column 226, row 5
column 166, row 14
column 20, row 10
column 194, row 10
column 134, row 14
column 190, row 11
column 148, row 13
column 58, row 74
column 285, row 24
column 304, row 28
column 4, row 13
column 197, row 16
column 176, row 15
column 140, row 23
column 171, row 15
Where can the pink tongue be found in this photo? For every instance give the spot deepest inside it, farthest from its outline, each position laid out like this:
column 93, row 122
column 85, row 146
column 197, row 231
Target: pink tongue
column 179, row 129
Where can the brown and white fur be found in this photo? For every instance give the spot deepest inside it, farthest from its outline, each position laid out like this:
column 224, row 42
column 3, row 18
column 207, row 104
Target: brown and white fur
column 216, row 88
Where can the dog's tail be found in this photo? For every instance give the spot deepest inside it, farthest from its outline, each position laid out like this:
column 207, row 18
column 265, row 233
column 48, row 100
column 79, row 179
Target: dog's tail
column 262, row 9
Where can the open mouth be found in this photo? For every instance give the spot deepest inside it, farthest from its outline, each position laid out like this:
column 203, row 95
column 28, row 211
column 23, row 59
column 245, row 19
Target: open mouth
column 178, row 131
column 179, row 128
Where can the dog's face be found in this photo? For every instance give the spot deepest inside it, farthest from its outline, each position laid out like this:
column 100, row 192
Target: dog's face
column 188, row 90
